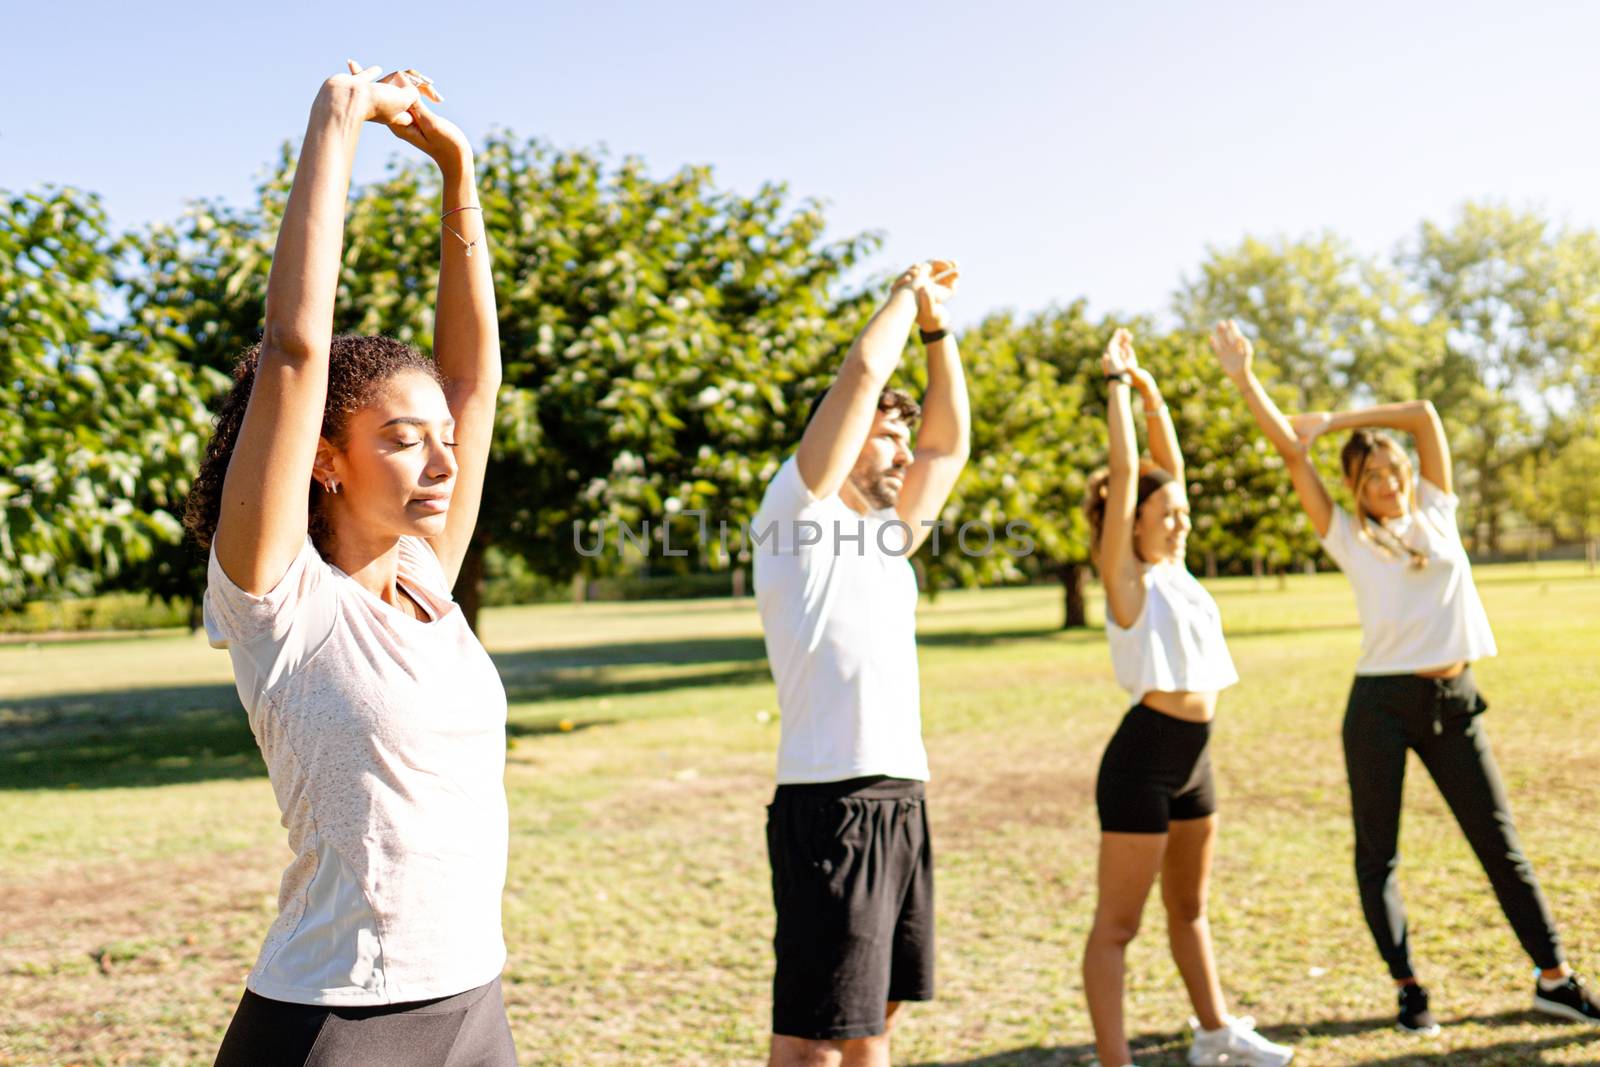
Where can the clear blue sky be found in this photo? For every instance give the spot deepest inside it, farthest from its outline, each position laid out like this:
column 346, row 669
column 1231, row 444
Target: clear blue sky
column 1056, row 149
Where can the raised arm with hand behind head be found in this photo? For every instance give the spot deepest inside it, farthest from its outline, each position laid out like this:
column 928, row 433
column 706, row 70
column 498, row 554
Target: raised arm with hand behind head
column 1415, row 417
column 264, row 511
column 1237, row 357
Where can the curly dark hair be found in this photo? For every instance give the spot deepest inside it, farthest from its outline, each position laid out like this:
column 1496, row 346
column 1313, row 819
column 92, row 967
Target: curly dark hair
column 1151, row 478
column 357, row 368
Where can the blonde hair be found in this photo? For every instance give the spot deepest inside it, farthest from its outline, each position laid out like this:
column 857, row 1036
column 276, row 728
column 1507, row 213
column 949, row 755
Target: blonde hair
column 1354, row 458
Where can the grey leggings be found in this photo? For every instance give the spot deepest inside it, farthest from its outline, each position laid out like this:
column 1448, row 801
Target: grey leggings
column 466, row 1030
column 1440, row 719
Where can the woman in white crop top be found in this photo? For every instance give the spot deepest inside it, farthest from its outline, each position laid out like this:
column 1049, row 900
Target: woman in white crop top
column 1154, row 791
column 1422, row 626
column 337, row 497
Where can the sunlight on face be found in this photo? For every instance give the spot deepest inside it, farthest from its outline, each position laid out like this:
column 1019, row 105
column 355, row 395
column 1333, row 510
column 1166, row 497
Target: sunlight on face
column 880, row 470
column 397, row 466
column 1385, row 488
column 1161, row 527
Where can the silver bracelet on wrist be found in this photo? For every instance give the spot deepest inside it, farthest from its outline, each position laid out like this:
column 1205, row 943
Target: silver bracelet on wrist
column 469, row 207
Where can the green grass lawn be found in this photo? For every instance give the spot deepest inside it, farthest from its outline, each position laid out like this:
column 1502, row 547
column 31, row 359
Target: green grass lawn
column 140, row 845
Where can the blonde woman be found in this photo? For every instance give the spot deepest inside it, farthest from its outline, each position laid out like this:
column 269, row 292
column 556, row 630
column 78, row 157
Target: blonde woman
column 1422, row 626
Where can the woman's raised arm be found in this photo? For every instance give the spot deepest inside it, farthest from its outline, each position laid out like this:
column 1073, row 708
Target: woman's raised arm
column 1159, row 428
column 1415, row 417
column 466, row 333
column 265, row 494
column 1237, row 357
column 1119, row 568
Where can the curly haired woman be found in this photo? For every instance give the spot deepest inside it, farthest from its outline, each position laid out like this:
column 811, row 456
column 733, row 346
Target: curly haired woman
column 337, row 497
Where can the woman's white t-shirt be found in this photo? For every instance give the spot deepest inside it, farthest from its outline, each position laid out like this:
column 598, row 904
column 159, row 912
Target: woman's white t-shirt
column 1413, row 618
column 1176, row 643
column 384, row 737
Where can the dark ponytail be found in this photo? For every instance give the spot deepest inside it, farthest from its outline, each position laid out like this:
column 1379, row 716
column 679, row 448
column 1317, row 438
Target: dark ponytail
column 1151, row 479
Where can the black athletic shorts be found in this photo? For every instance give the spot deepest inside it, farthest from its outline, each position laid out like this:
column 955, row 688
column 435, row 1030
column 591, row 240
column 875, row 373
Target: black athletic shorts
column 1156, row 770
column 852, row 879
column 466, row 1030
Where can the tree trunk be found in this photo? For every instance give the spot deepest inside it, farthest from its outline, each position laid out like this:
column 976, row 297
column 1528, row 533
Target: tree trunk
column 1211, row 563
column 580, row 588
column 1074, row 583
column 469, row 583
column 738, row 580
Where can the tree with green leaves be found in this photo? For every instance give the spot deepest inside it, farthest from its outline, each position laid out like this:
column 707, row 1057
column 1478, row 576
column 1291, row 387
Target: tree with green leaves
column 1518, row 300
column 1038, row 433
column 98, row 438
column 1032, row 452
column 1336, row 325
column 662, row 337
column 1239, row 498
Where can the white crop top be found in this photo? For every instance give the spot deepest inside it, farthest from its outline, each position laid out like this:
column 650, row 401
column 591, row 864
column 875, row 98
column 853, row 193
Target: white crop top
column 1176, row 643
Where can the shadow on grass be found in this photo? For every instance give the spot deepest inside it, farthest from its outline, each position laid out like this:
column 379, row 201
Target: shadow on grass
column 168, row 735
column 124, row 738
column 989, row 638
column 1562, row 1036
column 1147, row 1049
column 1155, row 1050
column 547, row 727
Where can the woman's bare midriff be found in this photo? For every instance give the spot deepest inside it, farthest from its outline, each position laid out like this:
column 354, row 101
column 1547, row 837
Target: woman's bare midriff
column 1444, row 672
column 1190, row 707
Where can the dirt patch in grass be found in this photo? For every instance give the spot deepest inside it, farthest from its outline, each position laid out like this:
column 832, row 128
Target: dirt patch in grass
column 107, row 895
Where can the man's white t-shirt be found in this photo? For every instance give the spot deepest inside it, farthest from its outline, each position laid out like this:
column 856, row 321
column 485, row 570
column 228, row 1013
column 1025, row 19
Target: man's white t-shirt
column 1413, row 618
column 839, row 618
column 384, row 737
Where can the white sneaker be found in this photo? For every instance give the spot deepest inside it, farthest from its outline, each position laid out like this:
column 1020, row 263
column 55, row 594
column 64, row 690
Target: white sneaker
column 1235, row 1045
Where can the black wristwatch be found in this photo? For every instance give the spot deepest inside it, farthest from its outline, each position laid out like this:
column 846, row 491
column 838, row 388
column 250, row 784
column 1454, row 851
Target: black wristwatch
column 929, row 337
column 1121, row 376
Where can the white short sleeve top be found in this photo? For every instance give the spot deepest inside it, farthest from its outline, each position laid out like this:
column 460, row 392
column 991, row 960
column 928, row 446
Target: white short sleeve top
column 838, row 601
column 1413, row 618
column 384, row 737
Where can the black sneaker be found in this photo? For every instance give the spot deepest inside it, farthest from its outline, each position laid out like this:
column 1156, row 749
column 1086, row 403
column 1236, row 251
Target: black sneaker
column 1414, row 1014
column 1569, row 1000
